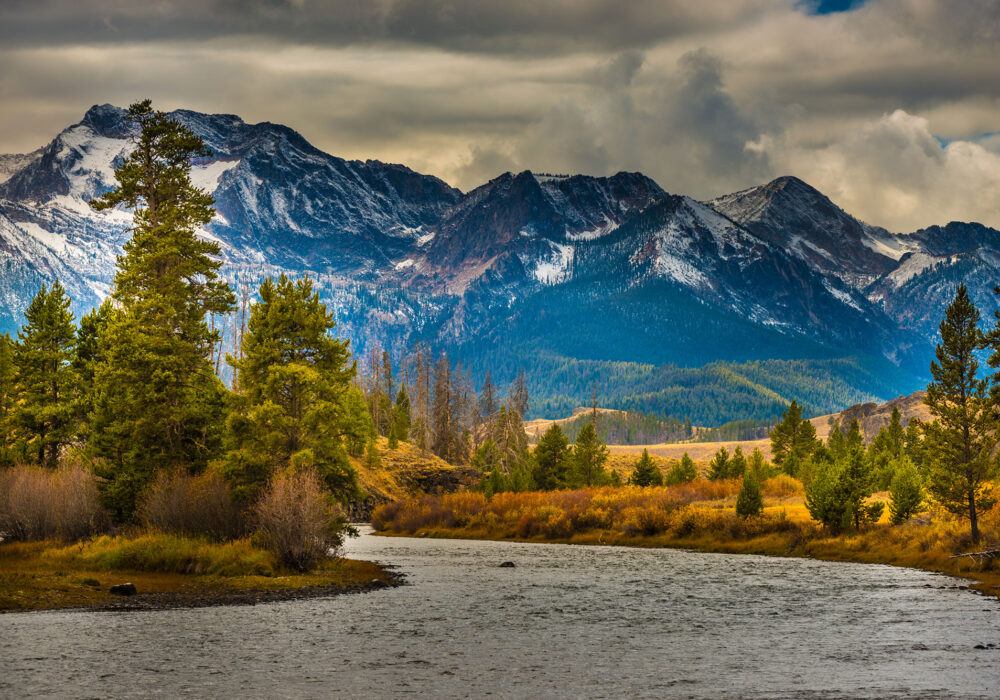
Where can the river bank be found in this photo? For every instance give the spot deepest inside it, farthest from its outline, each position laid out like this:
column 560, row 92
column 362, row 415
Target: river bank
column 41, row 576
column 669, row 518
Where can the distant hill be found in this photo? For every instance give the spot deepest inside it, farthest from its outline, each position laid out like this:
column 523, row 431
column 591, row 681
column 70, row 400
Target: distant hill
column 872, row 417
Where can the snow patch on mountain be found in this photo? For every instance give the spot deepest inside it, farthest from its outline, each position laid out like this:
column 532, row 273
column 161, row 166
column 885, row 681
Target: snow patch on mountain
column 206, row 177
column 840, row 295
column 90, row 158
column 594, row 233
column 555, row 268
column 910, row 267
column 681, row 271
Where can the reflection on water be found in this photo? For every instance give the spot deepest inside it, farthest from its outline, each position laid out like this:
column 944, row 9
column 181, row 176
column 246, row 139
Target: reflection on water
column 566, row 622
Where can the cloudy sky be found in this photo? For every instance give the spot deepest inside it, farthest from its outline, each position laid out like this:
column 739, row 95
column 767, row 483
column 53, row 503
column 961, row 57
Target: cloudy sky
column 891, row 107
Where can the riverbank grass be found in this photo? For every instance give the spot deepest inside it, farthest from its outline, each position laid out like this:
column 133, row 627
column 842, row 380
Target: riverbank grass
column 698, row 516
column 52, row 575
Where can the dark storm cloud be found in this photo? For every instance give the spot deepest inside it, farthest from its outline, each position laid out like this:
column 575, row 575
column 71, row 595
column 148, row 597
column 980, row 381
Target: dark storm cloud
column 486, row 25
column 702, row 95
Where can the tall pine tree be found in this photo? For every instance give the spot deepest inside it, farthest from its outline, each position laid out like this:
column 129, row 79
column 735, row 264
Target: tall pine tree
column 159, row 403
column 46, row 414
column 960, row 440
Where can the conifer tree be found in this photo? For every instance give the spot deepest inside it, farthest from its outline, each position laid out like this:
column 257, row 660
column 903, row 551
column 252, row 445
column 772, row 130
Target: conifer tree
column 373, row 460
column 737, row 464
column 836, row 443
column 444, row 437
column 906, row 493
column 961, row 439
column 552, row 460
column 758, row 465
column 46, row 413
column 159, row 402
column 682, row 472
column 589, row 456
column 719, row 466
column 853, row 439
column 646, row 472
column 296, row 406
column 89, row 354
column 750, row 501
column 793, row 435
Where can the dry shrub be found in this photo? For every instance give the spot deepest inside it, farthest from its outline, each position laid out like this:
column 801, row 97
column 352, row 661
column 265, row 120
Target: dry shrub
column 384, row 516
column 633, row 511
column 704, row 490
column 782, row 486
column 191, row 505
column 644, row 521
column 297, row 521
column 37, row 504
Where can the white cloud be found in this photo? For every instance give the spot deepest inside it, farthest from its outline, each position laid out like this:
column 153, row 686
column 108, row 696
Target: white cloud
column 894, row 172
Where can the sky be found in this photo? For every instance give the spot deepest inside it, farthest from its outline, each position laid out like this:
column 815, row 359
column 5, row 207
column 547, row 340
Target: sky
column 890, row 107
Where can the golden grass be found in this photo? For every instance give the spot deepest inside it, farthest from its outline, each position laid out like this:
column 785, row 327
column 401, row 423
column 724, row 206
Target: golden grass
column 51, row 575
column 699, row 516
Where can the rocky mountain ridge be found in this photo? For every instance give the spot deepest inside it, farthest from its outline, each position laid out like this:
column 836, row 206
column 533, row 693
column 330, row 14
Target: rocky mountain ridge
column 526, row 266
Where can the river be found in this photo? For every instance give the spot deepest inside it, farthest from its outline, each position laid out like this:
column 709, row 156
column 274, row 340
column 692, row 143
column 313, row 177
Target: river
column 564, row 622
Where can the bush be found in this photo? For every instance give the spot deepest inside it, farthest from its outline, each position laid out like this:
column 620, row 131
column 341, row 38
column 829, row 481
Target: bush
column 37, row 504
column 296, row 519
column 191, row 505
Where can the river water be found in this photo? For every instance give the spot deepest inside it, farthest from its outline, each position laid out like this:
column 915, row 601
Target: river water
column 565, row 622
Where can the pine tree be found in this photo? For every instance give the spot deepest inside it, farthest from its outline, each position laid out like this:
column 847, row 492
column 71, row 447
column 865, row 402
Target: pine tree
column 793, row 435
column 906, row 493
column 589, row 457
column 750, row 501
column 718, row 468
column 961, row 439
column 552, row 460
column 836, row 494
column 854, row 439
column 160, row 403
column 296, row 406
column 46, row 413
column 759, row 466
column 373, row 460
column 89, row 354
column 682, row 472
column 737, row 464
column 646, row 472
column 836, row 443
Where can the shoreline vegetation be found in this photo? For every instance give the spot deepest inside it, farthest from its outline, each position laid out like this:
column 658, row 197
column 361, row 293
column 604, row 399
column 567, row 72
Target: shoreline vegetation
column 168, row 572
column 700, row 516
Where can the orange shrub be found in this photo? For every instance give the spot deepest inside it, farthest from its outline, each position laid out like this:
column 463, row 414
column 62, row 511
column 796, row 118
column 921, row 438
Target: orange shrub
column 38, row 503
column 178, row 503
column 782, row 486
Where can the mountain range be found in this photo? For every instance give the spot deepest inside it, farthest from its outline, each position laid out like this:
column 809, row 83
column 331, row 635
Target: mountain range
column 716, row 310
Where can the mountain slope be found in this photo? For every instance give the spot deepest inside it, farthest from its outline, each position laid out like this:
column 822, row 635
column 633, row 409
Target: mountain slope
column 527, row 270
column 789, row 213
